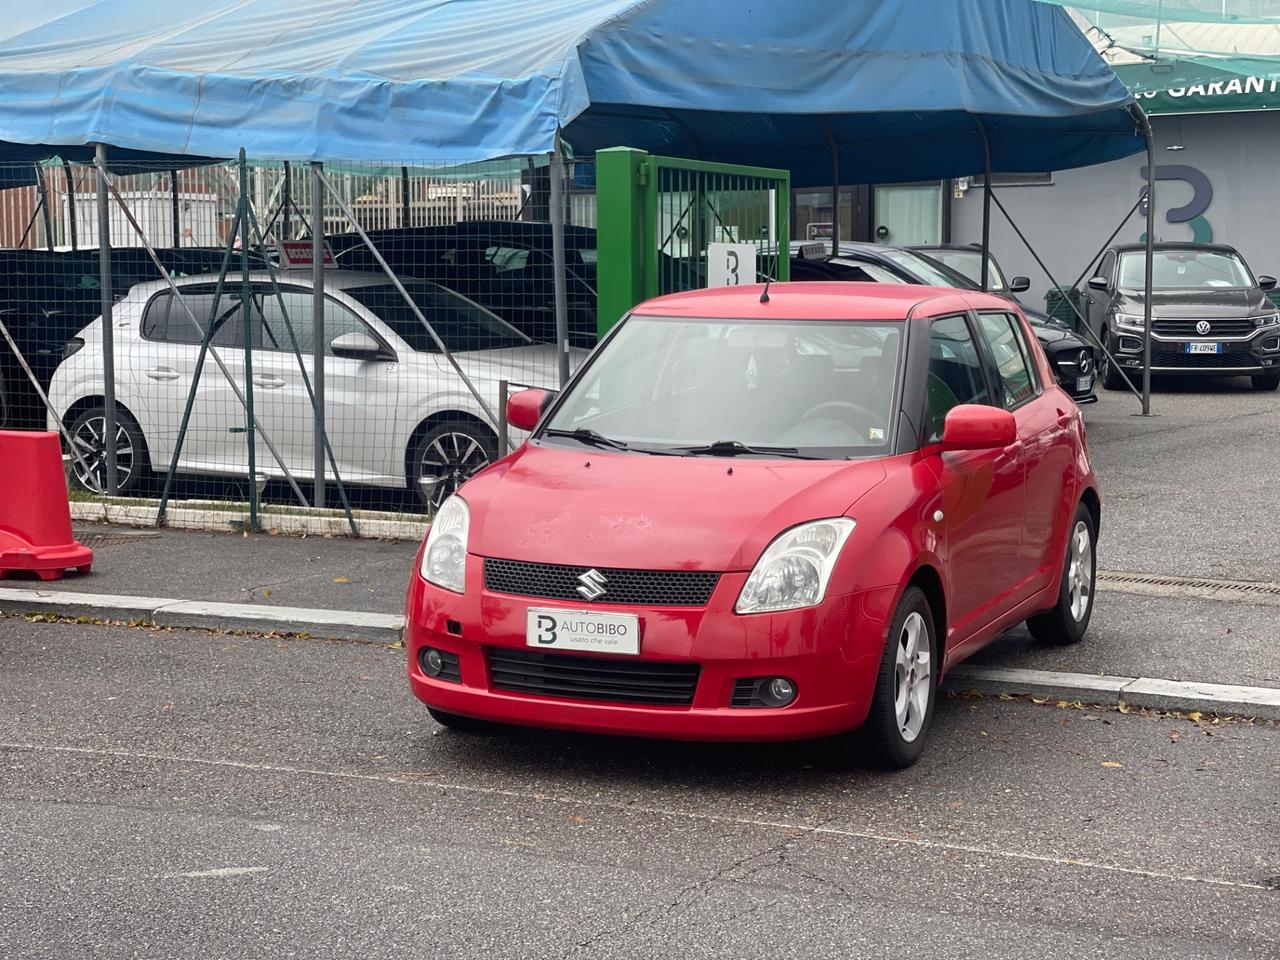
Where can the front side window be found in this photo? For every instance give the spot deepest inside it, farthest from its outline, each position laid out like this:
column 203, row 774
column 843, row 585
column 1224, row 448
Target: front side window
column 461, row 324
column 1011, row 356
column 299, row 309
column 955, row 372
column 1183, row 270
column 812, row 388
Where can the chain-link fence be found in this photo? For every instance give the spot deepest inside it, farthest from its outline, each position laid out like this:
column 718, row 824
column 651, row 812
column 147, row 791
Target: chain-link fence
column 438, row 288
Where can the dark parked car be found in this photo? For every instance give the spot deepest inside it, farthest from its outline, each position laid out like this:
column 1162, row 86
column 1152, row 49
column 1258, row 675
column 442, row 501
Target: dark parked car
column 1210, row 315
column 967, row 259
column 503, row 265
column 1072, row 359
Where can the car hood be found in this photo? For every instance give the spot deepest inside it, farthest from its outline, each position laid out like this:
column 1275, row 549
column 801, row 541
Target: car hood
column 601, row 508
column 1233, row 302
column 536, row 365
column 1052, row 333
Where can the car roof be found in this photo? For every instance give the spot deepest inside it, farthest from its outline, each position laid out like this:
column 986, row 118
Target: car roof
column 819, row 300
column 301, row 277
column 1175, row 245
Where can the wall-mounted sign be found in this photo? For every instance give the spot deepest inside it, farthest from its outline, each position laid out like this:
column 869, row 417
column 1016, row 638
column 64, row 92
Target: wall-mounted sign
column 1184, row 88
column 297, row 253
column 730, row 264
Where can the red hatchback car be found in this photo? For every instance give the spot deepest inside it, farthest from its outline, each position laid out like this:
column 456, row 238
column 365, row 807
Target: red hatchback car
column 763, row 517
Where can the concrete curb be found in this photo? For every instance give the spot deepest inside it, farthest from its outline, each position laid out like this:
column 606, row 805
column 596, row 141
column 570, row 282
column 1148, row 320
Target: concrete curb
column 199, row 614
column 373, row 525
column 1224, row 699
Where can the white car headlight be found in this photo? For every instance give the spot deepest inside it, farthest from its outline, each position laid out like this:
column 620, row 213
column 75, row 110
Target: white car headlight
column 444, row 560
column 1127, row 321
column 794, row 570
column 1267, row 320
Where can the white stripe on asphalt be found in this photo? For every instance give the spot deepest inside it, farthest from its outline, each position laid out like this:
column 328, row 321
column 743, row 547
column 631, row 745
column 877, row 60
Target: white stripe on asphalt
column 414, row 780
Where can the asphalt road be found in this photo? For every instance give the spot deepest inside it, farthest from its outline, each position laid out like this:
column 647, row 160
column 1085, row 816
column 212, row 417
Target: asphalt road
column 184, row 794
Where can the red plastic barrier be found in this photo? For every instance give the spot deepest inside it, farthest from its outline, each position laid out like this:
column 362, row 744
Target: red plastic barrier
column 35, row 519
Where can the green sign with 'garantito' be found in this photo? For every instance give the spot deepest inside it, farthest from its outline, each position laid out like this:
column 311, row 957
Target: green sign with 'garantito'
column 1189, row 88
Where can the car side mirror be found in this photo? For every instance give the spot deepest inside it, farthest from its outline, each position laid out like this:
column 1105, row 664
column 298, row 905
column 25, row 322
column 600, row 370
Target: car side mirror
column 1019, row 284
column 358, row 346
column 1098, row 283
column 524, row 409
column 1267, row 283
column 974, row 426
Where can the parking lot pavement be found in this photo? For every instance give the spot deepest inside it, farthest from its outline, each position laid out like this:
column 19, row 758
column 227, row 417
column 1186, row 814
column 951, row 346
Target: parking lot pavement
column 1192, row 490
column 1130, row 635
column 336, row 574
column 173, row 793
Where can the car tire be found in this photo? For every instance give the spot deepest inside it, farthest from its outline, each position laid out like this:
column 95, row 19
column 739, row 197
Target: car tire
column 1111, row 378
column 898, row 723
column 1266, row 381
column 459, row 723
column 1068, row 620
column 86, row 432
column 451, row 451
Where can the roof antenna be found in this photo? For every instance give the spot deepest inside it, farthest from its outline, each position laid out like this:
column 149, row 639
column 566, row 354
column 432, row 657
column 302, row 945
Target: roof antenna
column 764, row 294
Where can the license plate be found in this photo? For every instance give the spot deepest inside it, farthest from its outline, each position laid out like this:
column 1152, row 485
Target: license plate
column 1204, row 347
column 583, row 630
column 1083, row 384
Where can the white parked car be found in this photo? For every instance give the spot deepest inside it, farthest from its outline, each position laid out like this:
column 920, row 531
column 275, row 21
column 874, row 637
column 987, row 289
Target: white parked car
column 395, row 409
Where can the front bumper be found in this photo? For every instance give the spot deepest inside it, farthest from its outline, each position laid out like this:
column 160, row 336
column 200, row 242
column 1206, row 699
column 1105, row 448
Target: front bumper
column 1256, row 354
column 1080, row 381
column 831, row 652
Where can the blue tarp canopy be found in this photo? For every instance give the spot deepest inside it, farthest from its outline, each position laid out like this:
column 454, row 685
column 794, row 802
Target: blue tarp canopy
column 897, row 86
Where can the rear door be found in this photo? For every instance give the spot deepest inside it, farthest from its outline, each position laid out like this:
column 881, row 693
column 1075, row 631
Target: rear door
column 1043, row 415
column 982, row 490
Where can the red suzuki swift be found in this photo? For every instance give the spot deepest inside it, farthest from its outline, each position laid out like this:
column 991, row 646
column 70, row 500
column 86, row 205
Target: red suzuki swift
column 763, row 517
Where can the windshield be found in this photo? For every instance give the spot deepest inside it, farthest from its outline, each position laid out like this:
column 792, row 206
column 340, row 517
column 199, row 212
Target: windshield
column 817, row 388
column 1184, row 270
column 927, row 271
column 969, row 263
column 461, row 324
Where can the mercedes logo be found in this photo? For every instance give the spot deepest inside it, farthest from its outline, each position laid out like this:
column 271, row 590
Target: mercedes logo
column 593, row 582
column 1085, row 362
column 1203, row 328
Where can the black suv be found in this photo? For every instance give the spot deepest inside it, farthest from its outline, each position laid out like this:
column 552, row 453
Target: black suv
column 1209, row 314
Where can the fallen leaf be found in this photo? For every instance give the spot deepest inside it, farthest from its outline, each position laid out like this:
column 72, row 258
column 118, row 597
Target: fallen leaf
column 1173, row 737
column 341, row 580
column 1195, row 715
column 1110, row 763
column 1123, row 707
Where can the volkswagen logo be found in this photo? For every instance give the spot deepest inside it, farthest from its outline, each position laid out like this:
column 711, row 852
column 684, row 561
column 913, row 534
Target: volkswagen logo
column 1203, row 328
column 593, row 582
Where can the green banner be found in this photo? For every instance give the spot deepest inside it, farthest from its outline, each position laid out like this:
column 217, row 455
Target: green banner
column 1190, row 88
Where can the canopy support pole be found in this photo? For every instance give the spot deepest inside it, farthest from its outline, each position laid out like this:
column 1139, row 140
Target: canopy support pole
column 1151, row 239
column 317, row 322
column 42, row 185
column 986, row 204
column 404, row 197
column 246, row 316
column 108, row 327
column 71, row 205
column 835, row 187
column 558, row 259
column 286, row 201
column 176, row 205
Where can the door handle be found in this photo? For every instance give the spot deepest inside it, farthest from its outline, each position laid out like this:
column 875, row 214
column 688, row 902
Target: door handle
column 1065, row 417
column 268, row 380
column 162, row 373
column 1011, row 452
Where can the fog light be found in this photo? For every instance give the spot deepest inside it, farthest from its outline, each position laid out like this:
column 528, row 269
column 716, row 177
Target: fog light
column 1272, row 344
column 432, row 662
column 1130, row 344
column 779, row 692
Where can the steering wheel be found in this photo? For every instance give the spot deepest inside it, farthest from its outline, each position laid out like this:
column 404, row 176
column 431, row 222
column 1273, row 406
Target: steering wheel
column 866, row 415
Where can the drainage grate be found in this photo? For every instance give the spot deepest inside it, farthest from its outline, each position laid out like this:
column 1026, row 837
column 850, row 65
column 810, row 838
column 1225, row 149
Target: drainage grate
column 1164, row 585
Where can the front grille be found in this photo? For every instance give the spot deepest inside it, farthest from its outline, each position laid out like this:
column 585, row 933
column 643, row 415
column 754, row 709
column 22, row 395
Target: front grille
column 1202, row 361
column 650, row 588
column 592, row 678
column 1226, row 327
column 744, row 693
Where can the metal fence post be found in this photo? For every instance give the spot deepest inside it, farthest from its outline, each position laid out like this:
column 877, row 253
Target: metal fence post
column 1146, row 300
column 504, row 442
column 317, row 324
column 557, row 259
column 108, row 330
column 246, row 314
column 71, row 205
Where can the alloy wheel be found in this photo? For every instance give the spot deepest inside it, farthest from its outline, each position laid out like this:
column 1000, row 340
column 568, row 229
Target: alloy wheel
column 89, row 441
column 451, row 458
column 912, row 677
column 1080, row 571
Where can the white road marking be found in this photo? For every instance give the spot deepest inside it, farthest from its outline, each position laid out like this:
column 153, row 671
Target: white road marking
column 216, row 873
column 414, row 780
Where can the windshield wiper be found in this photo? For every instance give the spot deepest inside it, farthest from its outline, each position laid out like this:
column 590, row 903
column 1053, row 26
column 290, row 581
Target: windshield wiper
column 587, row 436
column 734, row 448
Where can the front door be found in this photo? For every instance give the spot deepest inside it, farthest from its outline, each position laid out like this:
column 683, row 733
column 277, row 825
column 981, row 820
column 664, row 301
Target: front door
column 981, row 490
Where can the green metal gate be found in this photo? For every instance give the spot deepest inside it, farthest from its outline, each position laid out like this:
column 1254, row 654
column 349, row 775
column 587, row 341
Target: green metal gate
column 657, row 216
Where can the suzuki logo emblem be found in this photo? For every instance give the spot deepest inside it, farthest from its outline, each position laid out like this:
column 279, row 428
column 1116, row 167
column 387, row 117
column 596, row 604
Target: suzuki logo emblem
column 1203, row 327
column 593, row 582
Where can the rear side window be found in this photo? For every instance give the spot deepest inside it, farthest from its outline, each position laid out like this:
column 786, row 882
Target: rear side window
column 167, row 320
column 1011, row 355
column 955, row 371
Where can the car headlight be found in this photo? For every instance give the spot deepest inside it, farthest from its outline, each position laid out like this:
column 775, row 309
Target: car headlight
column 1267, row 320
column 794, row 570
column 1127, row 321
column 444, row 559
